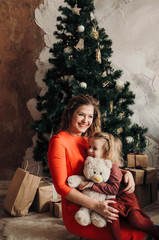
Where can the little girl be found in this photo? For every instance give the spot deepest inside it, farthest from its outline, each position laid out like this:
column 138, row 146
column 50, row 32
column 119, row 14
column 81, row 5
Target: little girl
column 105, row 145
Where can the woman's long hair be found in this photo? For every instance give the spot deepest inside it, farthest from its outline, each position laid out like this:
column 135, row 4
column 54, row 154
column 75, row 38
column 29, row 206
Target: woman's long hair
column 72, row 106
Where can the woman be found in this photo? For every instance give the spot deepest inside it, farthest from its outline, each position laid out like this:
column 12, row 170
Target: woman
column 66, row 154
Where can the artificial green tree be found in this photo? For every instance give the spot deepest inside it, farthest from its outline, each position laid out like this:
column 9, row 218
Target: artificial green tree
column 81, row 64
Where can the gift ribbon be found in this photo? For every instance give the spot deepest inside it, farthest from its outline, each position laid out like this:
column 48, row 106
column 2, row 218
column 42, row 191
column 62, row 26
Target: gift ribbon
column 134, row 154
column 145, row 172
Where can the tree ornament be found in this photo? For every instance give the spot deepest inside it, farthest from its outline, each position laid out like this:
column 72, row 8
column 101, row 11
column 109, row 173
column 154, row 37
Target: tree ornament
column 122, row 100
column 92, row 16
column 80, row 28
column 137, row 144
column 129, row 139
column 108, row 70
column 68, row 77
column 76, row 9
column 80, row 45
column 68, row 49
column 111, row 106
column 106, row 84
column 95, row 34
column 119, row 85
column 83, row 85
column 120, row 130
column 70, row 57
column 98, row 56
column 104, row 74
column 121, row 115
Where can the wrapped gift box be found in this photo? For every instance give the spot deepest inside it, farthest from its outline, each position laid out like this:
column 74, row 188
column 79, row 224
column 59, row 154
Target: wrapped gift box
column 134, row 160
column 144, row 176
column 56, row 208
column 146, row 193
column 45, row 193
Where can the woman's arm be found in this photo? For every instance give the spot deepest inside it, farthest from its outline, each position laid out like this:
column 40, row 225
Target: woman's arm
column 102, row 207
column 129, row 180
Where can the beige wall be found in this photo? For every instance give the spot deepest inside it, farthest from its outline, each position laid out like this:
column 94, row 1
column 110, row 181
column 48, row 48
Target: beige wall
column 21, row 41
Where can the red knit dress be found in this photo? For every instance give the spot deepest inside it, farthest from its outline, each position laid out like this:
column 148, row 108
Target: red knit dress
column 66, row 155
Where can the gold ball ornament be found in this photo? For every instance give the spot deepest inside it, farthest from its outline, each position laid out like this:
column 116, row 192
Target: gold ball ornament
column 95, row 34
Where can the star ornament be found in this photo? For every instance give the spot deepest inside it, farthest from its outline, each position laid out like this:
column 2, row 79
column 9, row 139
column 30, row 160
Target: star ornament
column 76, row 9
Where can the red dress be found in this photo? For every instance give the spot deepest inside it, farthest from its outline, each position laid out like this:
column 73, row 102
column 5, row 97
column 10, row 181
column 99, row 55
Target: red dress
column 66, row 156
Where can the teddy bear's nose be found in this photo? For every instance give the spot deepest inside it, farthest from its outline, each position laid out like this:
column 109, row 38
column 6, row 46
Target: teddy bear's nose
column 97, row 179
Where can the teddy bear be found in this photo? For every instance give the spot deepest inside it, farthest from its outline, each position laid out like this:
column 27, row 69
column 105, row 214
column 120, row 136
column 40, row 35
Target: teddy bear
column 96, row 170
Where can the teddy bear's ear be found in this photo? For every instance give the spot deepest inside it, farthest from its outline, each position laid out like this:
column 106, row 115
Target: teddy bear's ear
column 88, row 160
column 108, row 163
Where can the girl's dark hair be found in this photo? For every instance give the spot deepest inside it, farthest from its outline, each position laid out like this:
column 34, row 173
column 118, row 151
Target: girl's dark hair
column 72, row 106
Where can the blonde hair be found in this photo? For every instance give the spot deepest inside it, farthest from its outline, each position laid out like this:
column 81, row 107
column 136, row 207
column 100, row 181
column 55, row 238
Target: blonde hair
column 112, row 149
column 76, row 102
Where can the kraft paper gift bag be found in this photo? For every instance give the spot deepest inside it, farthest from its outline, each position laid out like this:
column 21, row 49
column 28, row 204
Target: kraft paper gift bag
column 21, row 192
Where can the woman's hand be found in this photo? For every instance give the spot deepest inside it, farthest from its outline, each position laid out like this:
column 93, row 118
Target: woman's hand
column 129, row 181
column 108, row 212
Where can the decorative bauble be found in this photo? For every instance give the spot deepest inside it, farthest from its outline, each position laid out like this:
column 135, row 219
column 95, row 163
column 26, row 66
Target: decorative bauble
column 95, row 34
column 104, row 74
column 83, row 85
column 76, row 9
column 106, row 84
column 119, row 85
column 120, row 130
column 68, row 49
column 81, row 28
column 98, row 56
column 80, row 45
column 68, row 77
column 129, row 139
column 138, row 137
column 92, row 16
column 70, row 57
column 121, row 115
column 111, row 106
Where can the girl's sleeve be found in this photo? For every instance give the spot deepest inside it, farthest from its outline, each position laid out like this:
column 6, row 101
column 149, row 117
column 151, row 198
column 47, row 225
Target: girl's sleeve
column 113, row 184
column 57, row 164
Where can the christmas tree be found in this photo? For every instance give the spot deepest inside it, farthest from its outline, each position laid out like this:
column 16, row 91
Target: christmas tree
column 81, row 64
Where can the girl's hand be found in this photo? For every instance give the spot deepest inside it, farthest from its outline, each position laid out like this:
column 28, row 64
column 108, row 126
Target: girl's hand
column 108, row 212
column 129, row 180
column 84, row 185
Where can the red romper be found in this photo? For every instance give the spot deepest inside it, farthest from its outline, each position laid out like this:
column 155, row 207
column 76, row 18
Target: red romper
column 66, row 155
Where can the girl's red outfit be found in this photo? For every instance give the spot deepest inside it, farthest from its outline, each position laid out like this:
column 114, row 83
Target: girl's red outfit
column 127, row 205
column 66, row 155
